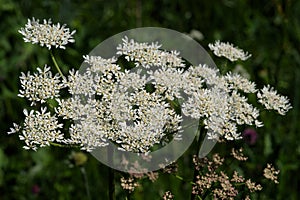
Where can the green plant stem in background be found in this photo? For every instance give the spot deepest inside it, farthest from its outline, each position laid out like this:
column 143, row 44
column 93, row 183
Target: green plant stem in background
column 182, row 179
column 205, row 194
column 56, row 65
column 86, row 183
column 224, row 68
column 201, row 133
column 111, row 184
column 111, row 175
column 127, row 195
column 64, row 145
column 199, row 197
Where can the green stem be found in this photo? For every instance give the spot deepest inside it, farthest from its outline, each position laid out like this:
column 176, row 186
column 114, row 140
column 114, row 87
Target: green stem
column 64, row 145
column 86, row 183
column 111, row 184
column 56, row 65
column 224, row 69
column 180, row 178
column 205, row 194
column 201, row 131
column 128, row 195
column 111, row 174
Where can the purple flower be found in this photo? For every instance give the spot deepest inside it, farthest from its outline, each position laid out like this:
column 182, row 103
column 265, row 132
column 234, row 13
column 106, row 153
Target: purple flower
column 250, row 136
column 35, row 189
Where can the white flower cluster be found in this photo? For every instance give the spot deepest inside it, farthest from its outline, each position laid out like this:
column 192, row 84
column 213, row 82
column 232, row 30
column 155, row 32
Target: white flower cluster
column 272, row 101
column 124, row 112
column 90, row 130
column 38, row 87
column 111, row 103
column 47, row 34
column 148, row 55
column 220, row 105
column 228, row 51
column 40, row 128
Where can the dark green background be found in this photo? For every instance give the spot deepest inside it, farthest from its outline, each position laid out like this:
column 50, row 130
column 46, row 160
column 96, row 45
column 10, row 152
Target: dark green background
column 268, row 29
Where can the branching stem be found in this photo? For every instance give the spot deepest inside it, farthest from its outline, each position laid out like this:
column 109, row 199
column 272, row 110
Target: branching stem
column 56, row 65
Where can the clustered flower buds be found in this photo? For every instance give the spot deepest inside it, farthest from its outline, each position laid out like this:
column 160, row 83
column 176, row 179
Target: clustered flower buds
column 168, row 196
column 238, row 154
column 271, row 173
column 128, row 184
column 223, row 184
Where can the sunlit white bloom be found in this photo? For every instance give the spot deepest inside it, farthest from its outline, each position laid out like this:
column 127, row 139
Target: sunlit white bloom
column 217, row 127
column 211, row 105
column 193, row 80
column 128, row 115
column 271, row 100
column 103, row 74
column 99, row 64
column 132, row 80
column 202, row 103
column 143, row 120
column 91, row 127
column 72, row 108
column 222, row 112
column 98, row 60
column 209, row 75
column 168, row 81
column 47, row 34
column 81, row 83
column 236, row 81
column 87, row 133
column 40, row 128
column 40, row 86
column 228, row 51
column 241, row 111
column 148, row 55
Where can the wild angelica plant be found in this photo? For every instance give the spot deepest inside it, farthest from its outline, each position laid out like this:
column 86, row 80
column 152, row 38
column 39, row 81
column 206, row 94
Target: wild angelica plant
column 135, row 108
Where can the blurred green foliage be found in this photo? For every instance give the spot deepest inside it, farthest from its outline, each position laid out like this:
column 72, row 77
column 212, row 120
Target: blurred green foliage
column 269, row 30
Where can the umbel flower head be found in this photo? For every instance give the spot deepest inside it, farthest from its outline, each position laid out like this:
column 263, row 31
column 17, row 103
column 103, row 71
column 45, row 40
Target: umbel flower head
column 39, row 87
column 47, row 34
column 271, row 100
column 228, row 51
column 40, row 128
